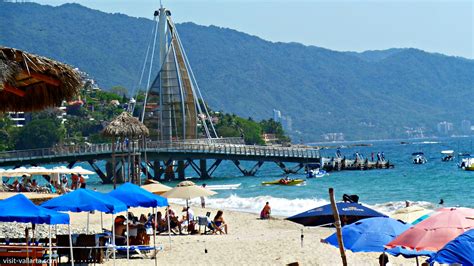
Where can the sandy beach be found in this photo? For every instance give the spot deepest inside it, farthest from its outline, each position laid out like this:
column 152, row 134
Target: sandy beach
column 250, row 242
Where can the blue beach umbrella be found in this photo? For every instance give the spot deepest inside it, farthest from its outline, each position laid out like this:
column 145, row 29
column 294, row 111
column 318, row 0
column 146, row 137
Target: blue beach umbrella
column 369, row 235
column 349, row 213
column 20, row 209
column 460, row 250
column 135, row 196
column 85, row 200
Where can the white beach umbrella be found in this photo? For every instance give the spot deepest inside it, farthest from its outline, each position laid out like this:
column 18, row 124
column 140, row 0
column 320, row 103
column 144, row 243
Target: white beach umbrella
column 81, row 171
column 156, row 188
column 188, row 190
column 38, row 170
column 21, row 171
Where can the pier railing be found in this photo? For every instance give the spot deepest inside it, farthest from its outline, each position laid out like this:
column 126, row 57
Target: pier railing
column 214, row 146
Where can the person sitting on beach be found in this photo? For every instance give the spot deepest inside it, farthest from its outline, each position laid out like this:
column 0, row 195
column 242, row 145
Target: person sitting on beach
column 265, row 213
column 160, row 224
column 174, row 221
column 120, row 229
column 188, row 219
column 219, row 221
column 34, row 185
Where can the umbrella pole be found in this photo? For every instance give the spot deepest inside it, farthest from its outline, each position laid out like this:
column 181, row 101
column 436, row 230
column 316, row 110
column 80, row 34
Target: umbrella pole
column 50, row 248
column 187, row 215
column 417, row 262
column 101, row 222
column 154, row 234
column 113, row 237
column 70, row 244
column 338, row 226
column 87, row 227
column 128, row 239
column 169, row 229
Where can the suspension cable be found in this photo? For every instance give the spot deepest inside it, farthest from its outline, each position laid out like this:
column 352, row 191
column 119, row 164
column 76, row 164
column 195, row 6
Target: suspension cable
column 149, row 72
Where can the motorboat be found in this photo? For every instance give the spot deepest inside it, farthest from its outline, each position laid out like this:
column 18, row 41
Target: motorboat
column 316, row 173
column 418, row 158
column 284, row 182
column 467, row 164
column 448, row 155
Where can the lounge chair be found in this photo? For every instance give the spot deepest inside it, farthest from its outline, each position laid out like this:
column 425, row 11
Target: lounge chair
column 142, row 251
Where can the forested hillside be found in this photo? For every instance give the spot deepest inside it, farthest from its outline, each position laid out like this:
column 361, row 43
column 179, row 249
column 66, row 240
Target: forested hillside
column 375, row 94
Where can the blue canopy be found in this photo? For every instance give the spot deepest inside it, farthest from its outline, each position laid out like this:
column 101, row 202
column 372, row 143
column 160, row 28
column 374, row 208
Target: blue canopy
column 85, row 200
column 409, row 253
column 349, row 213
column 20, row 209
column 135, row 196
column 460, row 250
column 369, row 235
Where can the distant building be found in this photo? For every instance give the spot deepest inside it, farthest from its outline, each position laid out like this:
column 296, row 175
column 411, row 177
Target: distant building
column 445, row 128
column 466, row 127
column 18, row 118
column 276, row 115
column 269, row 138
column 287, row 123
column 333, row 136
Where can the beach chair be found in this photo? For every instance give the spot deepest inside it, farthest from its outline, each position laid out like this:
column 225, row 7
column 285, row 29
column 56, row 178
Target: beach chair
column 204, row 221
column 217, row 229
column 142, row 251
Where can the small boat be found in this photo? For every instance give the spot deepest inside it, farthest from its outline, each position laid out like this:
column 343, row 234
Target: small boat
column 223, row 187
column 467, row 164
column 418, row 158
column 448, row 155
column 316, row 173
column 284, row 182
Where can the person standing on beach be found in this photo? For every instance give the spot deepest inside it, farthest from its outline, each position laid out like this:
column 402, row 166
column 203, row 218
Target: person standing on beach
column 203, row 200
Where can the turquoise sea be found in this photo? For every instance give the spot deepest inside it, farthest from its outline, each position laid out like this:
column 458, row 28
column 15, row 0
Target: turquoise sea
column 385, row 190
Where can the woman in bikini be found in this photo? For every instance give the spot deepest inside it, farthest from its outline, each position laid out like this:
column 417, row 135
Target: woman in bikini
column 219, row 220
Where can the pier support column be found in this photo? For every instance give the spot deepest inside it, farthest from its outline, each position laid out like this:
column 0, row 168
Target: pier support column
column 181, row 168
column 203, row 169
column 105, row 179
column 158, row 170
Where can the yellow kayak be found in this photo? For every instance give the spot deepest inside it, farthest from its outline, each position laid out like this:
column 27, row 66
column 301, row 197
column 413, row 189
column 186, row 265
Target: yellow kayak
column 284, row 182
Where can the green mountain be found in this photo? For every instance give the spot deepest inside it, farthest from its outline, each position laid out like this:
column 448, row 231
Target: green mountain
column 375, row 94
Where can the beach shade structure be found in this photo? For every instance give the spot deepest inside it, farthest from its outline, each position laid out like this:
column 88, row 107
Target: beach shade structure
column 349, row 213
column 156, row 188
column 135, row 196
column 20, row 209
column 436, row 231
column 369, row 235
column 125, row 126
column 81, row 171
column 458, row 251
column 409, row 253
column 188, row 190
column 17, row 172
column 85, row 200
column 31, row 82
column 410, row 214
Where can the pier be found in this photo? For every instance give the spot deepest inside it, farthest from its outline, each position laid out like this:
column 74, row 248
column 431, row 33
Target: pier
column 168, row 160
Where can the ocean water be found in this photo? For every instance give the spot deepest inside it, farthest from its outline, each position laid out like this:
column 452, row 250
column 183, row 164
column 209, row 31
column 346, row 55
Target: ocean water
column 386, row 190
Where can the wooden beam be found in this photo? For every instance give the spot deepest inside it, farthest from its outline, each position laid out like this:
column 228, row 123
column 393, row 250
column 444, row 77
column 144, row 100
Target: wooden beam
column 45, row 79
column 9, row 88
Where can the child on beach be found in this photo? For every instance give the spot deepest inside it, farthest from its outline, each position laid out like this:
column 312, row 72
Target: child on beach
column 265, row 213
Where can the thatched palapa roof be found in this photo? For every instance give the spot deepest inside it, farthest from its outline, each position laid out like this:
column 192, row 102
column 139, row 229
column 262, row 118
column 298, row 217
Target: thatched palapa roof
column 31, row 82
column 125, row 125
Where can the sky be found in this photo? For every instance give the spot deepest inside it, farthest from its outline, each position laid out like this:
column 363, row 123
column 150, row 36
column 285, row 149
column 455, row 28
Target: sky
column 445, row 27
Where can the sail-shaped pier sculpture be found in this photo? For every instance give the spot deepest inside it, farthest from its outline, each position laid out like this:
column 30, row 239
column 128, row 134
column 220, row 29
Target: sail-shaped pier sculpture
column 174, row 109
